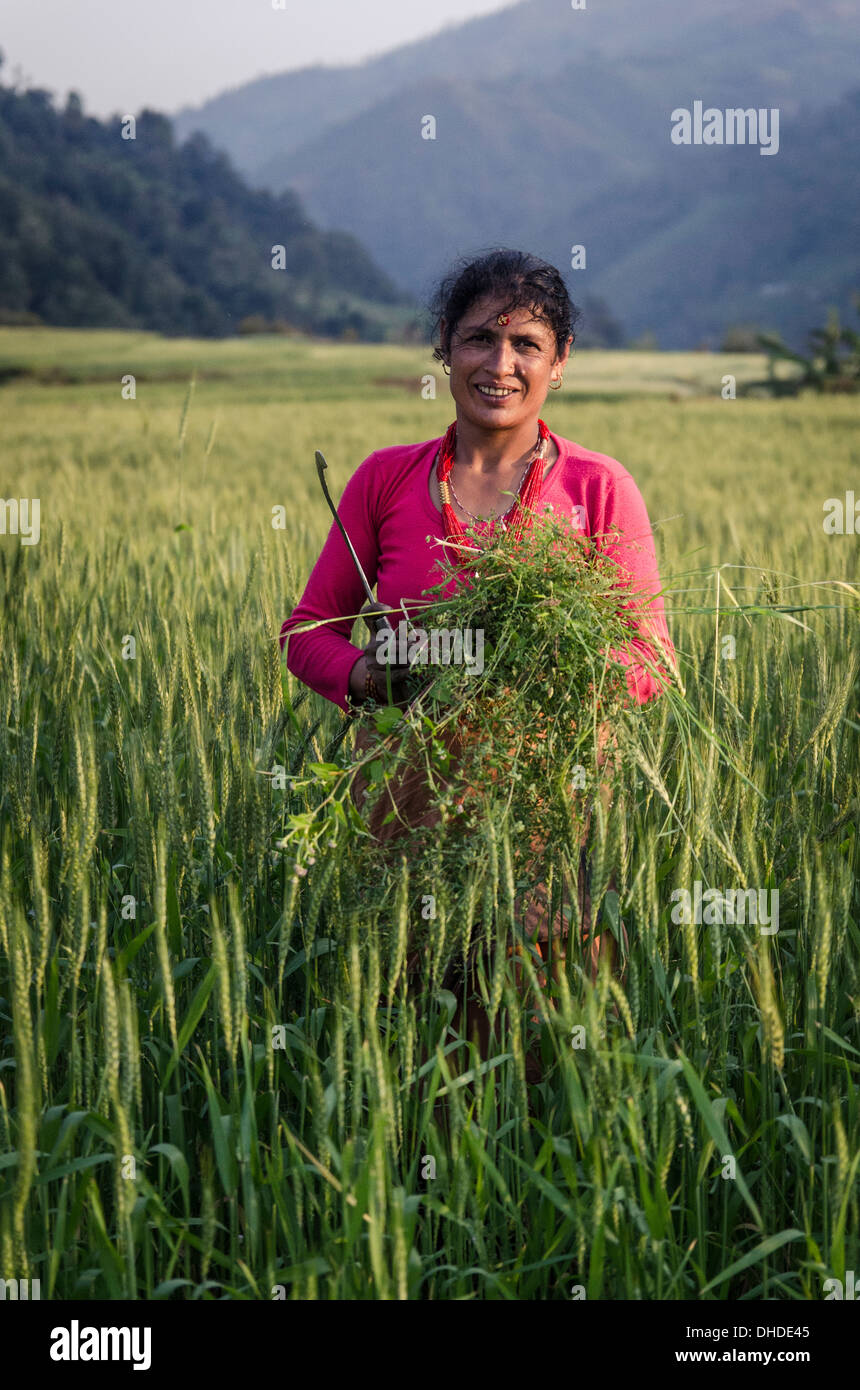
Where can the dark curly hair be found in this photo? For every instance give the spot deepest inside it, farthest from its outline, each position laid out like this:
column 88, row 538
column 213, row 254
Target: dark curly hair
column 523, row 281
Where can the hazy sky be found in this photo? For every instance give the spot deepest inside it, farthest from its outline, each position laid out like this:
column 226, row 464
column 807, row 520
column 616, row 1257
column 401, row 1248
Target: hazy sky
column 124, row 54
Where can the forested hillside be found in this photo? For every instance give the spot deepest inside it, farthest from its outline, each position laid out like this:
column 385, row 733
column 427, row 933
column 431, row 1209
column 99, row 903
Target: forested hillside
column 97, row 229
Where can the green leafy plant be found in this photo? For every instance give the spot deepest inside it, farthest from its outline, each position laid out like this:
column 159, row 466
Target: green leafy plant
column 832, row 363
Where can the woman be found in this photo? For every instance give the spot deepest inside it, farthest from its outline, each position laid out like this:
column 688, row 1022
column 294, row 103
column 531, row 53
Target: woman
column 505, row 328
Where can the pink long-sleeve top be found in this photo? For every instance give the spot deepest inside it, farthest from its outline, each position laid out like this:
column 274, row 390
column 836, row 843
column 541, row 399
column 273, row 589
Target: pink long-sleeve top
column 389, row 514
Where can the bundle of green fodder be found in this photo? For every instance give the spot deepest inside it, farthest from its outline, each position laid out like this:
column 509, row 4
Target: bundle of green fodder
column 489, row 777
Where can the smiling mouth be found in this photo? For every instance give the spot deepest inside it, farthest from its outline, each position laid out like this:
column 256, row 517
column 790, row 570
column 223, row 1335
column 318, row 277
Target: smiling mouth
column 496, row 393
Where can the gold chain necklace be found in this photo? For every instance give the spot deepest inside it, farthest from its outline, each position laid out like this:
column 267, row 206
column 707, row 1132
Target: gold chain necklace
column 539, row 451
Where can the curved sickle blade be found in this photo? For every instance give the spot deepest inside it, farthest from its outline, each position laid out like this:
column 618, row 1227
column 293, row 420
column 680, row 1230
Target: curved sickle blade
column 321, row 468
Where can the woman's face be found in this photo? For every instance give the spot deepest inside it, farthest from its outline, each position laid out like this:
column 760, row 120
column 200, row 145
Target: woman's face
column 518, row 358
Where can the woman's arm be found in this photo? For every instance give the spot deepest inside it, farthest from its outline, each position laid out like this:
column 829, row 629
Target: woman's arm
column 325, row 658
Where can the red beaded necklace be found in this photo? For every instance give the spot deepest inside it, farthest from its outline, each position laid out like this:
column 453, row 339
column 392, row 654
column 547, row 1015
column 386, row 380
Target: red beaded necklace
column 516, row 518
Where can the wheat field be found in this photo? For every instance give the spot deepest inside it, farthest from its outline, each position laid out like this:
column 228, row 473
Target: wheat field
column 203, row 1093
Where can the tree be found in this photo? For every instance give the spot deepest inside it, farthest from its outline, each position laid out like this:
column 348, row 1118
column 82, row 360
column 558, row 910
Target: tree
column 831, row 365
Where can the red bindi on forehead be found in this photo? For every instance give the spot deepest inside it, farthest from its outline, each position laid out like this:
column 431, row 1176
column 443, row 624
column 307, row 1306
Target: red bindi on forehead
column 472, row 320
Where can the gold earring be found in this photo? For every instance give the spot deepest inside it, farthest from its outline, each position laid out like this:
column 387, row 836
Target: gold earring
column 555, row 384
column 445, row 368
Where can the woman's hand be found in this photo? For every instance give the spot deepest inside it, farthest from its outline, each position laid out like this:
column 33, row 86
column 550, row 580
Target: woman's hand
column 378, row 670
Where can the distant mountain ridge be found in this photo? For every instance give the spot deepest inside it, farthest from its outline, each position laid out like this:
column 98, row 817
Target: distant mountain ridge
column 271, row 116
column 544, row 116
